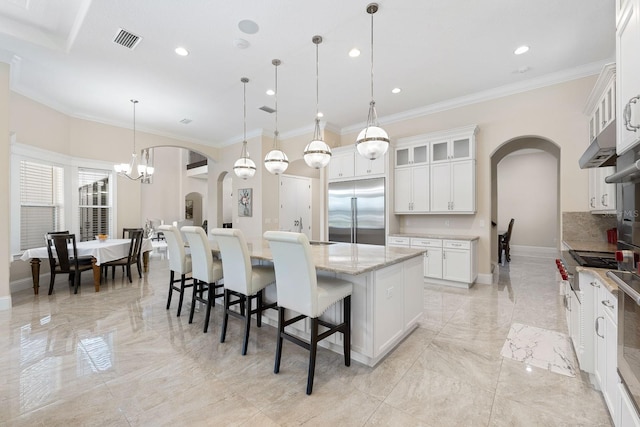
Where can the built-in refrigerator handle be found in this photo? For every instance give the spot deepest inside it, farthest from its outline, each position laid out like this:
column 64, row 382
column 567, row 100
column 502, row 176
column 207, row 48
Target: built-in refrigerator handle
column 354, row 225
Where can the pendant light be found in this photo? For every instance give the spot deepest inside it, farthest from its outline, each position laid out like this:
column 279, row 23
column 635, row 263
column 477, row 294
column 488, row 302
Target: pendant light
column 317, row 153
column 276, row 160
column 372, row 141
column 244, row 167
column 126, row 169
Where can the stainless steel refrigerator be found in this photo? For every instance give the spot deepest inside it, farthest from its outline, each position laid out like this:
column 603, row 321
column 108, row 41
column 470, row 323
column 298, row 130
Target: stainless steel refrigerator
column 356, row 211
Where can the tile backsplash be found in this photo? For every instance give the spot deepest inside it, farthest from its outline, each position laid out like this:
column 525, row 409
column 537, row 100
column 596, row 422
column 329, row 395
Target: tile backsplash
column 584, row 226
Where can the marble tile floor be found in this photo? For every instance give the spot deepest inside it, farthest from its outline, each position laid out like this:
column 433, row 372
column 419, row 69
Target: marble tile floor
column 118, row 358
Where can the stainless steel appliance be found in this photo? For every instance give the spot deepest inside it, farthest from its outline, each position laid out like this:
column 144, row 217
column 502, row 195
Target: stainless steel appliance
column 357, row 211
column 627, row 178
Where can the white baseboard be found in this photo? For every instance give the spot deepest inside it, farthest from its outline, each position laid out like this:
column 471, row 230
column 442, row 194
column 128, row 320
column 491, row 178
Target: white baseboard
column 534, row 251
column 5, row 303
column 27, row 283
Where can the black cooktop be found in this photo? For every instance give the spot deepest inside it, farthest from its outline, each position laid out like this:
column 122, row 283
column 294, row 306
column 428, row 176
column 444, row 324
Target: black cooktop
column 595, row 259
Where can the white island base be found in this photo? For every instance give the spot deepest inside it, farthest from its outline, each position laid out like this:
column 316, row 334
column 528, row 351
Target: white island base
column 386, row 306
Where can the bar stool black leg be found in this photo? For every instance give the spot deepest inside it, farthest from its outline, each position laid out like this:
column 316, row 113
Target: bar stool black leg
column 247, row 324
column 313, row 348
column 170, row 289
column 346, row 334
column 279, row 341
column 225, row 317
column 196, row 285
column 182, row 284
column 210, row 301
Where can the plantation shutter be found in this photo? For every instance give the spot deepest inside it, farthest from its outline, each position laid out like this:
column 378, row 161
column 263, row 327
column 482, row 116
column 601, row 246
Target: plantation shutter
column 94, row 203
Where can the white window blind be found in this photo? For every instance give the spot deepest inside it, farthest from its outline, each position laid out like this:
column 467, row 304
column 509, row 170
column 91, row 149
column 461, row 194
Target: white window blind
column 94, row 203
column 41, row 202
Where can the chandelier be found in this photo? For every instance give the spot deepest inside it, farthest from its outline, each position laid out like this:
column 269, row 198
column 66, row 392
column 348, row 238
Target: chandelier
column 373, row 141
column 244, row 167
column 317, row 153
column 144, row 171
column 276, row 160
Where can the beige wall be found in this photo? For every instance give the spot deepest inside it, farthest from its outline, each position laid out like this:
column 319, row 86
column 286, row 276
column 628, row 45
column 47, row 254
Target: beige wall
column 552, row 112
column 162, row 198
column 527, row 191
column 5, row 167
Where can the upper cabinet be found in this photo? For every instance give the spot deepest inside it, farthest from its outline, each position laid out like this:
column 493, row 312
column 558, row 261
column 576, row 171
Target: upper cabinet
column 453, row 148
column 346, row 163
column 416, row 153
column 435, row 173
column 628, row 75
column 601, row 105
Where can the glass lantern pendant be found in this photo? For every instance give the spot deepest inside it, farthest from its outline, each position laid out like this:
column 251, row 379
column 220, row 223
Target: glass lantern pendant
column 244, row 167
column 276, row 161
column 317, row 153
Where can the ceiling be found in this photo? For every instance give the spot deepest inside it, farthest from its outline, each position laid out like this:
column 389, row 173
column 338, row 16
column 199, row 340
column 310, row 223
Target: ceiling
column 439, row 52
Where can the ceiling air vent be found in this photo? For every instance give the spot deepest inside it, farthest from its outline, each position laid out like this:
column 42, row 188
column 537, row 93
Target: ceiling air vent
column 185, row 121
column 267, row 109
column 126, row 39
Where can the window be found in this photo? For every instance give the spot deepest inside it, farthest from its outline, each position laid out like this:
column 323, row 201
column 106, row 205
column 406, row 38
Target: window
column 94, row 202
column 41, row 202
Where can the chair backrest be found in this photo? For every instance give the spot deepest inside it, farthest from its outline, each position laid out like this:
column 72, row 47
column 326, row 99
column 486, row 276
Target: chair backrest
column 126, row 232
column 507, row 236
column 296, row 281
column 201, row 257
column 236, row 261
column 60, row 244
column 175, row 245
column 52, row 259
column 136, row 235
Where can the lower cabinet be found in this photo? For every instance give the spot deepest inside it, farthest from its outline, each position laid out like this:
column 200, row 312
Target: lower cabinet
column 627, row 416
column 600, row 341
column 445, row 261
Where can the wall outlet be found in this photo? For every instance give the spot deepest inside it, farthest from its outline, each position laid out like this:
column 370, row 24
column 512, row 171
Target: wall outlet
column 482, row 223
column 389, row 293
column 446, row 222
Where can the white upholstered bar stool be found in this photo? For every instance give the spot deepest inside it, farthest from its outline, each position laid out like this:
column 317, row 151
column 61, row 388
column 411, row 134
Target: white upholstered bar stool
column 206, row 272
column 242, row 280
column 300, row 289
column 179, row 262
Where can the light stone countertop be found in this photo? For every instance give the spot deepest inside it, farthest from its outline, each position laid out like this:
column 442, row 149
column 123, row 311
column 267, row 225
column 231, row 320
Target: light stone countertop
column 601, row 274
column 346, row 258
column 436, row 236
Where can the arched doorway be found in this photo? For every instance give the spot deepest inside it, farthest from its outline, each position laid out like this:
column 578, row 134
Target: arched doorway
column 525, row 182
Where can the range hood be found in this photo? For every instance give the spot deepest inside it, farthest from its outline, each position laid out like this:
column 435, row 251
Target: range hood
column 602, row 150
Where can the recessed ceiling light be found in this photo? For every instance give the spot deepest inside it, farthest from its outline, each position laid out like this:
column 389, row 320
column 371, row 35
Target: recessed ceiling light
column 182, row 51
column 247, row 26
column 522, row 49
column 354, row 53
column 396, row 90
column 270, row 92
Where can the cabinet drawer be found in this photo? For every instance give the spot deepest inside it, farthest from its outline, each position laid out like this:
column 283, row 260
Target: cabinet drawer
column 609, row 303
column 398, row 241
column 426, row 243
column 457, row 244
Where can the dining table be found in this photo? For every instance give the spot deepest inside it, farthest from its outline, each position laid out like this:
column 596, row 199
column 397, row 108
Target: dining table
column 100, row 251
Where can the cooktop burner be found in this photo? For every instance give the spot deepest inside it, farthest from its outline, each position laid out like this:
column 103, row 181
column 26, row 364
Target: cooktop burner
column 595, row 259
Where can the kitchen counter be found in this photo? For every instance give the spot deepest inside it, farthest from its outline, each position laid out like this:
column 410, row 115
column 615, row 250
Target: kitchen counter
column 601, row 274
column 387, row 299
column 436, row 236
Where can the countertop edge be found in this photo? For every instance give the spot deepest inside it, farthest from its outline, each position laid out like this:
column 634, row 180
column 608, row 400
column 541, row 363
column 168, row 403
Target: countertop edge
column 601, row 274
column 435, row 236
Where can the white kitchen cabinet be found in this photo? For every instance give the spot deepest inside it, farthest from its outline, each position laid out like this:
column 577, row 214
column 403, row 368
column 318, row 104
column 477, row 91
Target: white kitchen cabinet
column 601, row 104
column 628, row 76
column 346, row 163
column 432, row 256
column 412, row 190
column 453, row 187
column 446, row 261
column 341, row 165
column 453, row 148
column 365, row 167
column 602, row 196
column 606, row 328
column 416, row 153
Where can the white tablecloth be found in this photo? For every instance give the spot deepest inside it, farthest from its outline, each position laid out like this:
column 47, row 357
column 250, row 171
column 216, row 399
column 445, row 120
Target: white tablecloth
column 106, row 251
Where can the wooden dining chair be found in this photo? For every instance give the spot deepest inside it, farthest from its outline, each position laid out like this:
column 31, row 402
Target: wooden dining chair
column 132, row 258
column 503, row 244
column 126, row 234
column 63, row 258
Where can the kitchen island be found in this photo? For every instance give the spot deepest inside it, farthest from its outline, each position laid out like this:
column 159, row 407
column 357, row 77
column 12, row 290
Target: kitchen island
column 387, row 299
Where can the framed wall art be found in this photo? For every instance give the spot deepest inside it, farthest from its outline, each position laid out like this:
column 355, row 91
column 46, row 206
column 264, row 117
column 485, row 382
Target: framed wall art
column 245, row 202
